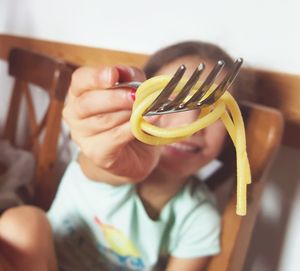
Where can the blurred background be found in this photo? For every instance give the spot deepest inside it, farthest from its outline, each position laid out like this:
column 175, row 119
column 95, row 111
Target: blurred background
column 265, row 33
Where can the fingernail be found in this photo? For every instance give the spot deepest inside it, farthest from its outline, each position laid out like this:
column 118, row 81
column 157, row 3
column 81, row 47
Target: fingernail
column 132, row 94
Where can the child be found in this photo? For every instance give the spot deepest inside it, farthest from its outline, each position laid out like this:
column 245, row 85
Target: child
column 124, row 205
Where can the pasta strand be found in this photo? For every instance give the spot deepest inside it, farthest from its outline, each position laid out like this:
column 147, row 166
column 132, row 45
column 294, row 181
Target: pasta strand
column 225, row 108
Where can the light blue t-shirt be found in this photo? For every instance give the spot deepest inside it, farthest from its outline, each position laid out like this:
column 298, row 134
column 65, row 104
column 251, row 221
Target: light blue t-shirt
column 102, row 227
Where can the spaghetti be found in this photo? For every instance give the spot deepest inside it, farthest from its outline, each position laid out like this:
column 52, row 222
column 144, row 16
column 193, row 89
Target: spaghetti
column 225, row 108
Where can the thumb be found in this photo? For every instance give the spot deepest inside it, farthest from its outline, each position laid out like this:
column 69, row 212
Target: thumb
column 129, row 73
column 88, row 78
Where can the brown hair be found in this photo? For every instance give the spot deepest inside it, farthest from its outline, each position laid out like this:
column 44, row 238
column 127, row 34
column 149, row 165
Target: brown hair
column 207, row 51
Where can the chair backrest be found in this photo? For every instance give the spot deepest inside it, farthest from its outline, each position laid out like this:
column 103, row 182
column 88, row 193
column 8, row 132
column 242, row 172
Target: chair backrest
column 52, row 75
column 264, row 128
column 282, row 91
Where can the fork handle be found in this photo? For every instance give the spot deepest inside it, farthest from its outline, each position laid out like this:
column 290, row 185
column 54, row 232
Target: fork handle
column 132, row 86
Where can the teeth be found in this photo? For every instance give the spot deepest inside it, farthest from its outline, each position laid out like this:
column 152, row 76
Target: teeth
column 184, row 147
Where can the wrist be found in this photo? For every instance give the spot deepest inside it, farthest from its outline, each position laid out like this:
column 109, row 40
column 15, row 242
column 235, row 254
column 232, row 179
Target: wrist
column 98, row 174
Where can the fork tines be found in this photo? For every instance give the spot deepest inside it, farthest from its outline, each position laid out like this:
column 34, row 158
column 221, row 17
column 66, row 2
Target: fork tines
column 163, row 105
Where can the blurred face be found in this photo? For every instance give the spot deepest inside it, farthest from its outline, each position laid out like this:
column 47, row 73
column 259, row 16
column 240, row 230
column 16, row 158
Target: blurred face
column 186, row 157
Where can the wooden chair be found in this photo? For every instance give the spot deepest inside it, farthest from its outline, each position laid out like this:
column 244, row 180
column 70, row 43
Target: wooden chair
column 264, row 128
column 52, row 75
column 282, row 91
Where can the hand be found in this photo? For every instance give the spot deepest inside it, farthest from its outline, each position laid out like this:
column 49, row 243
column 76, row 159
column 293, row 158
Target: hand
column 99, row 123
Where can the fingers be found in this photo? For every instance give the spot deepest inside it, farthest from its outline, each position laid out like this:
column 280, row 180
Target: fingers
column 109, row 142
column 88, row 78
column 99, row 117
column 99, row 123
column 96, row 102
column 88, row 96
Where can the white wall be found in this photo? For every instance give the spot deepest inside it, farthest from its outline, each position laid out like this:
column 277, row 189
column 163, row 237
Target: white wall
column 264, row 32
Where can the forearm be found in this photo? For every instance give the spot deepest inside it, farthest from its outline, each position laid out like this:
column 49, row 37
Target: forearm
column 197, row 264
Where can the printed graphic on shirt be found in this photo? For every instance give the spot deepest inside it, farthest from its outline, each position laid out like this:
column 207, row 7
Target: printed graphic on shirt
column 78, row 249
column 120, row 248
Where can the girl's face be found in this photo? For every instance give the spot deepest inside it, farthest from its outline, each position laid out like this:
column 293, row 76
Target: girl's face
column 188, row 156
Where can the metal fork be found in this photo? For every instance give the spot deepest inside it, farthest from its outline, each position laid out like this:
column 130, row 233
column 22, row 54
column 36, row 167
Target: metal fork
column 163, row 105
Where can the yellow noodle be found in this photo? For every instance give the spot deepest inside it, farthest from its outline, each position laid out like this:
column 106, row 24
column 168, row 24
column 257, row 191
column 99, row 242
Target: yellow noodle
column 229, row 126
column 154, row 135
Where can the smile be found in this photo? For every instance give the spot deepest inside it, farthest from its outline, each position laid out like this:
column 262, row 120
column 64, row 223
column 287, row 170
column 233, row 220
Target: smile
column 185, row 147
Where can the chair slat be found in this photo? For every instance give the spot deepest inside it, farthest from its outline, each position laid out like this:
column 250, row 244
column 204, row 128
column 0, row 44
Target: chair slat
column 13, row 112
column 264, row 129
column 52, row 75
